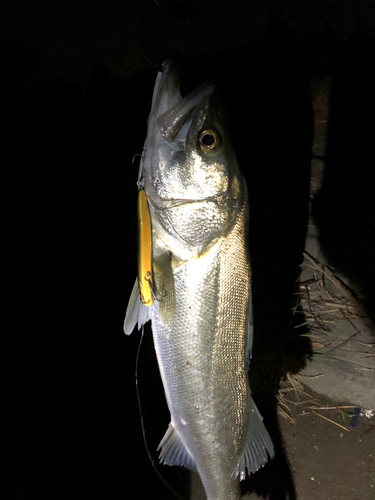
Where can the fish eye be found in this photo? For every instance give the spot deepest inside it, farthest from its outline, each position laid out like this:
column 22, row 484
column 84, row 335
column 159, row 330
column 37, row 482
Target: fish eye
column 209, row 141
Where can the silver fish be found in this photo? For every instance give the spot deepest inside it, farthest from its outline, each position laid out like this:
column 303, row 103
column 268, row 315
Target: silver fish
column 200, row 280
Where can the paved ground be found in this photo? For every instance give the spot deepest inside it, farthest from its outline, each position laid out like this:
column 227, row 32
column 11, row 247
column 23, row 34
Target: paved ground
column 330, row 462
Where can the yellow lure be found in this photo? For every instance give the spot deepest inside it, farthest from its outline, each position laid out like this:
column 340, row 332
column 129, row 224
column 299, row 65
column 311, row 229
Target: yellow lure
column 144, row 250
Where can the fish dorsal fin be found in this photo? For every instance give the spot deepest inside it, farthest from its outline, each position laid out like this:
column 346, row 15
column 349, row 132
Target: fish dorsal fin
column 258, row 445
column 173, row 450
column 136, row 312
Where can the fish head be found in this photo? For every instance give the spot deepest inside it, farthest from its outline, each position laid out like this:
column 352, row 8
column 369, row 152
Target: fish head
column 188, row 168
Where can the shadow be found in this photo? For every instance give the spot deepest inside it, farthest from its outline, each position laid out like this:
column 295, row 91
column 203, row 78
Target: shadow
column 274, row 153
column 344, row 208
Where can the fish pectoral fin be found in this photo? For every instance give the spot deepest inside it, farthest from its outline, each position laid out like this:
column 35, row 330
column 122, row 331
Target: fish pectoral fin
column 136, row 312
column 173, row 450
column 258, row 445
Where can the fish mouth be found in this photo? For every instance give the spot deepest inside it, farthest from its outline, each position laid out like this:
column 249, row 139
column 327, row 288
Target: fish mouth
column 168, row 203
column 169, row 109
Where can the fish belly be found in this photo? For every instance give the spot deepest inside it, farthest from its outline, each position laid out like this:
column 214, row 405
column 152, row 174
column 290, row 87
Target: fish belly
column 199, row 331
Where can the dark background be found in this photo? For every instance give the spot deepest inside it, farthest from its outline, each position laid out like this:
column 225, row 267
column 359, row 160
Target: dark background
column 76, row 82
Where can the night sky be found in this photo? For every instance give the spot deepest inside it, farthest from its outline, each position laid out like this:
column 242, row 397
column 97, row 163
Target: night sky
column 76, row 81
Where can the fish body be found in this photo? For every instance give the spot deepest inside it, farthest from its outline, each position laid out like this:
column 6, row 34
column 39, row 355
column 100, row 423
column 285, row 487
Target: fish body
column 201, row 315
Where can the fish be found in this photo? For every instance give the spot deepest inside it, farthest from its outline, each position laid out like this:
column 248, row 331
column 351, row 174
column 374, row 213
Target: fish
column 194, row 284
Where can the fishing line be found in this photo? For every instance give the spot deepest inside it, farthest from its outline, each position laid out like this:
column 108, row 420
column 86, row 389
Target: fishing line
column 146, row 28
column 167, row 12
column 161, row 477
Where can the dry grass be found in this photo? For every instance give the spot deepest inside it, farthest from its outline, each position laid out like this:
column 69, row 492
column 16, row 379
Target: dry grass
column 295, row 400
column 325, row 300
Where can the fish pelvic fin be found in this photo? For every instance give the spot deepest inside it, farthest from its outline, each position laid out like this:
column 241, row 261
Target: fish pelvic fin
column 136, row 312
column 173, row 450
column 258, row 446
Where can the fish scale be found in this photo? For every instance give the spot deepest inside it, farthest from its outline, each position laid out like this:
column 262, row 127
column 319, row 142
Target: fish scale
column 205, row 399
